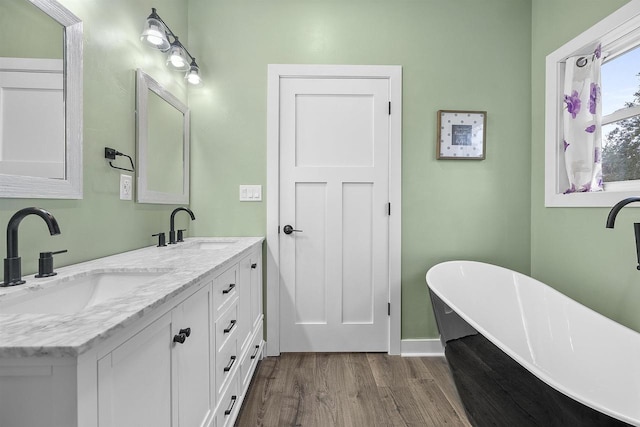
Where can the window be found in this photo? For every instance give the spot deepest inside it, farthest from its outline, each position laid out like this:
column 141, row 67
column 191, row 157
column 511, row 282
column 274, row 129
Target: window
column 619, row 35
column 621, row 119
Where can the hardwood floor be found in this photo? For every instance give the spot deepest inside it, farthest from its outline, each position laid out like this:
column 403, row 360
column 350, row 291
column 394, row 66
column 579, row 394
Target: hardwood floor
column 351, row 389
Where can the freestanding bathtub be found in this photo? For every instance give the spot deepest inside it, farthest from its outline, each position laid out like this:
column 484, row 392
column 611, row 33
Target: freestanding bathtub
column 580, row 368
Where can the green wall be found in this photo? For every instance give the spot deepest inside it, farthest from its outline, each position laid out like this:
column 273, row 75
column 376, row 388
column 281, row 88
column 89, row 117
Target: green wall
column 466, row 55
column 18, row 19
column 101, row 224
column 570, row 247
column 469, row 54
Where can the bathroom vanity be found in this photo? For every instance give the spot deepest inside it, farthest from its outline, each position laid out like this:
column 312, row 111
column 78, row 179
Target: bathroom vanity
column 160, row 336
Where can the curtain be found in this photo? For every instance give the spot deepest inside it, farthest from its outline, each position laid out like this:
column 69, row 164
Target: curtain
column 582, row 122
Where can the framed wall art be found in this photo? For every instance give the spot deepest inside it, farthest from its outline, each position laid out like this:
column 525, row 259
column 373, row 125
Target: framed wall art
column 461, row 135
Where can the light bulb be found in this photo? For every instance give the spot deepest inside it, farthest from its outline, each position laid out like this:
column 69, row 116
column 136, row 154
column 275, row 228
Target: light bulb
column 177, row 58
column 154, row 34
column 193, row 75
column 193, row 78
column 177, row 61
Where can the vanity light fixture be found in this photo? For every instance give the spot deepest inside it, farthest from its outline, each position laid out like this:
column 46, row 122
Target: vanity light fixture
column 157, row 34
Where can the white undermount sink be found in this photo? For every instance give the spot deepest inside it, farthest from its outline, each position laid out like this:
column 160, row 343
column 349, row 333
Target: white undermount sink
column 76, row 293
column 205, row 245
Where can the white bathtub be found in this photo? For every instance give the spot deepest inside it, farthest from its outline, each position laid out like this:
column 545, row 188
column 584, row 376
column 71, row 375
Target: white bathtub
column 570, row 347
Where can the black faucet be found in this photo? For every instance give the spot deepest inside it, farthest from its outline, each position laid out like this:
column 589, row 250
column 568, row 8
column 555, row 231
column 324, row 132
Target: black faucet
column 172, row 231
column 12, row 267
column 611, row 219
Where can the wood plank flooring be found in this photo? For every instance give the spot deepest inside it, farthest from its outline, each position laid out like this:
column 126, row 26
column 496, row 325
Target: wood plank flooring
column 351, row 389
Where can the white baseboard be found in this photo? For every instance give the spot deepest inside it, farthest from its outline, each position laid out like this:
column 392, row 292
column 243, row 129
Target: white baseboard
column 408, row 348
column 421, row 348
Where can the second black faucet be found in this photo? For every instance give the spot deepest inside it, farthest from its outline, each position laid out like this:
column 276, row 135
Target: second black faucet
column 172, row 230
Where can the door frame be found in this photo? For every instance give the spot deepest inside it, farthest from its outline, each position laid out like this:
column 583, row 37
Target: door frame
column 275, row 72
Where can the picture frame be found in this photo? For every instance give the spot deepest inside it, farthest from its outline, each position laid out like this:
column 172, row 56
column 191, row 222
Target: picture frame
column 461, row 135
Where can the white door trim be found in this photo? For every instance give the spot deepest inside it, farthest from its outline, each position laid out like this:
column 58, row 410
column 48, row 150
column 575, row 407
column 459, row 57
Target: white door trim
column 274, row 74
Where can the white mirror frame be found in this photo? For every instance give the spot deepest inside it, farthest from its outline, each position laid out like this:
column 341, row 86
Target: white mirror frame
column 146, row 83
column 14, row 186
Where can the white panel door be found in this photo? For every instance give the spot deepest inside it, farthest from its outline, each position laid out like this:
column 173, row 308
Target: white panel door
column 334, row 187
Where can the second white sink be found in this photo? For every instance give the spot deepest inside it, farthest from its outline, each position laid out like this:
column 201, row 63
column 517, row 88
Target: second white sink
column 79, row 292
column 205, row 244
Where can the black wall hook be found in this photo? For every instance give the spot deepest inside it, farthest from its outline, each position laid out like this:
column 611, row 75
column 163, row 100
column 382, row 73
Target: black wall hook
column 110, row 153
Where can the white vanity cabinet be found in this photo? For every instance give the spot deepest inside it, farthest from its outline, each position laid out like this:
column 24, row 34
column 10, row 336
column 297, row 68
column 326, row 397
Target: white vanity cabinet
column 161, row 375
column 182, row 356
column 152, row 379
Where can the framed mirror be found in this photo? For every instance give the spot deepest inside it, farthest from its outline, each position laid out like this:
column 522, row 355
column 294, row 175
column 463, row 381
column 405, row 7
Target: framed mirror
column 40, row 100
column 162, row 144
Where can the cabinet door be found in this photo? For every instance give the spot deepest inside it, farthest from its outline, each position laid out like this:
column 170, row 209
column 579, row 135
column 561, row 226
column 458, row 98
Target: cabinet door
column 134, row 380
column 244, row 303
column 256, row 288
column 193, row 359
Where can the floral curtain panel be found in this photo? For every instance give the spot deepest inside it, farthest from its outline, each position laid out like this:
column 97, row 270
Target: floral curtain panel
column 582, row 121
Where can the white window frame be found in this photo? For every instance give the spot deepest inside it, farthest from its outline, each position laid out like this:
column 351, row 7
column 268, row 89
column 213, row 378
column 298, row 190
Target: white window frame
column 618, row 33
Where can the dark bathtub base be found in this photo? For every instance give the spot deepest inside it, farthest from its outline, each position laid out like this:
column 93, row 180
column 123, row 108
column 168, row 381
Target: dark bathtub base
column 497, row 391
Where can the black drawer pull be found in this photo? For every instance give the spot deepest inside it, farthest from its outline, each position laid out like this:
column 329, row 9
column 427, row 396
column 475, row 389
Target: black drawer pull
column 229, row 289
column 233, row 403
column 230, row 327
column 230, row 365
column 253, row 356
column 254, row 265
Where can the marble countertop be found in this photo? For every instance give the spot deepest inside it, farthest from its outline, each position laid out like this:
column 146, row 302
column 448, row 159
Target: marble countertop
column 68, row 335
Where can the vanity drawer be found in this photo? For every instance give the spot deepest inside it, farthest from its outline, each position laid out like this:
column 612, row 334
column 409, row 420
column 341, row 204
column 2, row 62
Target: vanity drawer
column 227, row 361
column 226, row 327
column 229, row 406
column 225, row 290
column 250, row 359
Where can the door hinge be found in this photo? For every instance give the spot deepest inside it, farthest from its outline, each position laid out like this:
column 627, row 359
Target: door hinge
column 389, row 107
column 389, row 208
column 388, row 309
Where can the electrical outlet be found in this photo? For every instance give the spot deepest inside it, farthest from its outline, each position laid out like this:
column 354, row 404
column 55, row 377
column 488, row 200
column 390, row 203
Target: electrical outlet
column 126, row 187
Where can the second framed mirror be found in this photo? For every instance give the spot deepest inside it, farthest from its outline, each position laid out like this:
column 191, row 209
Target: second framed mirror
column 162, row 144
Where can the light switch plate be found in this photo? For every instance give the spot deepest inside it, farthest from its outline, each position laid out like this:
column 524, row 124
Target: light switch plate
column 126, row 187
column 251, row 193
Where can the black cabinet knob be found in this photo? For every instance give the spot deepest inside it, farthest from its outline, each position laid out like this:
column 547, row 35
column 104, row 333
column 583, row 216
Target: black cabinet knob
column 254, row 265
column 180, row 338
column 185, row 331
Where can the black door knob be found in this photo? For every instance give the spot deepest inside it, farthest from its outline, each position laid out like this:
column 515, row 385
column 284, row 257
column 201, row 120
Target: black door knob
column 289, row 229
